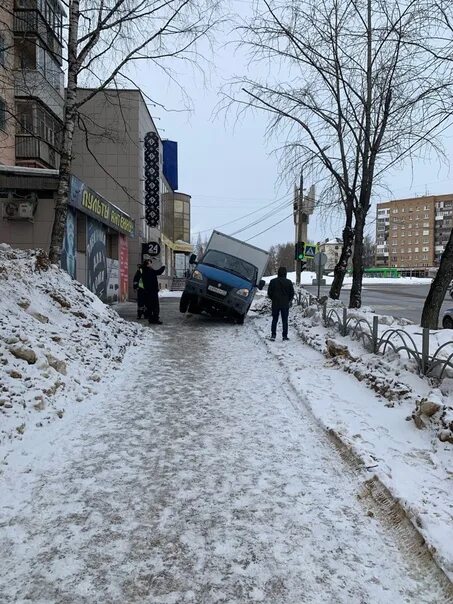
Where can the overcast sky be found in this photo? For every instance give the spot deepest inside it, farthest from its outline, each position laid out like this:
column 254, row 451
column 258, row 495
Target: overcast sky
column 229, row 168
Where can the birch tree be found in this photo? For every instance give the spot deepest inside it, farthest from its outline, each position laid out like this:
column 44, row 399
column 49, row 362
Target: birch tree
column 347, row 85
column 104, row 37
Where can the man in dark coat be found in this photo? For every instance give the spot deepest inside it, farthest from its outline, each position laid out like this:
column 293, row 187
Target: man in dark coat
column 151, row 287
column 138, row 287
column 281, row 293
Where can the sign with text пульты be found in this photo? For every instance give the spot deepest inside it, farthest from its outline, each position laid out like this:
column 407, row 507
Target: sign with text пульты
column 86, row 200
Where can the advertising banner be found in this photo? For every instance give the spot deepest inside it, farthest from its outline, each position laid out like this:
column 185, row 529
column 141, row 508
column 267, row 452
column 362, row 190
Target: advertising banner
column 152, row 179
column 68, row 255
column 124, row 270
column 96, row 259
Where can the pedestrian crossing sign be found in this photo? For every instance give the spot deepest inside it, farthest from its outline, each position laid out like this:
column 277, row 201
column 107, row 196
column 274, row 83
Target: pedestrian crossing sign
column 310, row 250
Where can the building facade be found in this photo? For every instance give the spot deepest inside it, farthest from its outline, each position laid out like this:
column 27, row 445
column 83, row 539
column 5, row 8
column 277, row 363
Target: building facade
column 110, row 156
column 97, row 234
column 412, row 233
column 332, row 248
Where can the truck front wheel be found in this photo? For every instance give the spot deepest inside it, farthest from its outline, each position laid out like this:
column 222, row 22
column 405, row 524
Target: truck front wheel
column 184, row 302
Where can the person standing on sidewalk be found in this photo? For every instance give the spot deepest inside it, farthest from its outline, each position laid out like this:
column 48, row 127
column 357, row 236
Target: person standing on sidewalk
column 139, row 288
column 281, row 293
column 151, row 287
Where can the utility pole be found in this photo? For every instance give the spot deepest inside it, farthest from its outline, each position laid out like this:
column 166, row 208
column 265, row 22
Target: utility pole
column 302, row 210
column 301, row 227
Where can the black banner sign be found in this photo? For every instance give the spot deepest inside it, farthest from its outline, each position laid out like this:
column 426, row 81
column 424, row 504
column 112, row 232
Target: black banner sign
column 152, row 180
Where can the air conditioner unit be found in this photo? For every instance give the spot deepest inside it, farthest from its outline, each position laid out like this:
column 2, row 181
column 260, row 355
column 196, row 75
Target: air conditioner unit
column 18, row 210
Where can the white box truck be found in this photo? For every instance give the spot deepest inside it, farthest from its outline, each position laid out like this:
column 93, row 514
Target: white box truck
column 224, row 281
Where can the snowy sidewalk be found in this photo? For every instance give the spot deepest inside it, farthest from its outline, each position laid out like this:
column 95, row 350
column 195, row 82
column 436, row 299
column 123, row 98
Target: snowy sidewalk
column 200, row 478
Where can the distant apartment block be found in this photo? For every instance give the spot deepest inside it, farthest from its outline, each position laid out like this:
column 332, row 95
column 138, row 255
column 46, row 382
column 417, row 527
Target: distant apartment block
column 412, row 233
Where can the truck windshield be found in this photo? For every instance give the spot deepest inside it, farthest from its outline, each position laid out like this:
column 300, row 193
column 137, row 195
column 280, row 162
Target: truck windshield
column 231, row 264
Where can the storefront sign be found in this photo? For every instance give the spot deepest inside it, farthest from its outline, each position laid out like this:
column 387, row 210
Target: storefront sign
column 89, row 202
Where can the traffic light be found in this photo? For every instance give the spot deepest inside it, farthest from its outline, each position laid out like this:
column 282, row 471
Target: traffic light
column 300, row 250
column 303, row 265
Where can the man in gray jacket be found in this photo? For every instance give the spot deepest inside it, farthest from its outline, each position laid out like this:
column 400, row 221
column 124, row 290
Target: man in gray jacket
column 281, row 293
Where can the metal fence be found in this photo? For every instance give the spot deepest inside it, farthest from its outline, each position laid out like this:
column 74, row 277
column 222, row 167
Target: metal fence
column 434, row 365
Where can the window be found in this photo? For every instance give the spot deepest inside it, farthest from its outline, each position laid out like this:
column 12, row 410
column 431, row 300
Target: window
column 25, row 54
column 25, row 122
column 2, row 114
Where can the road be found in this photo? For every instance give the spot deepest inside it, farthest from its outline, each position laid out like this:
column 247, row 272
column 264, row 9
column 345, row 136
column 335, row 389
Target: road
column 396, row 300
column 200, row 477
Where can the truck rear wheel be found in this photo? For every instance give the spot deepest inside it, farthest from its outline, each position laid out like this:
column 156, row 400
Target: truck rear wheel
column 184, row 302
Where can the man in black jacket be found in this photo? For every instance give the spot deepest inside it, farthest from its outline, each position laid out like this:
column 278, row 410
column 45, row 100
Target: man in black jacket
column 138, row 287
column 281, row 292
column 151, row 287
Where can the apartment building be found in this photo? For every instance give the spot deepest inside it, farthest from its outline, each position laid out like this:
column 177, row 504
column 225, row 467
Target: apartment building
column 412, row 233
column 31, row 82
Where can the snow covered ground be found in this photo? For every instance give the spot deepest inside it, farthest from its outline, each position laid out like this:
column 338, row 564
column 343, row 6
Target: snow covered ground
column 308, row 276
column 196, row 462
column 371, row 407
column 195, row 478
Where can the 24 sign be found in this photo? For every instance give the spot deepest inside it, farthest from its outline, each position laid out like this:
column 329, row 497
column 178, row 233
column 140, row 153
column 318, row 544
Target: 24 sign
column 151, row 249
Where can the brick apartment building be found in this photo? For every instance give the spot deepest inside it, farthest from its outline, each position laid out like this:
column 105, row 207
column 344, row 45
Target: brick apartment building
column 412, row 233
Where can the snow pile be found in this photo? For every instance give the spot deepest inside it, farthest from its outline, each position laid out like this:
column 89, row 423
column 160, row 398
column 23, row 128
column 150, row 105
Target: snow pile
column 58, row 342
column 392, row 375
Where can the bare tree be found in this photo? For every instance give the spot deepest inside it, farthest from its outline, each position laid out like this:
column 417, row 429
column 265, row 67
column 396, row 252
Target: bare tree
column 369, row 252
column 103, row 38
column 443, row 50
column 439, row 287
column 349, row 88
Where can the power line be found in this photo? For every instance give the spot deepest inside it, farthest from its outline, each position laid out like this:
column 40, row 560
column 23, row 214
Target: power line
column 263, row 218
column 242, row 217
column 269, row 228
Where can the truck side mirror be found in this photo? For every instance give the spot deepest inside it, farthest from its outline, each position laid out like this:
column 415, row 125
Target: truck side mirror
column 193, row 259
column 261, row 284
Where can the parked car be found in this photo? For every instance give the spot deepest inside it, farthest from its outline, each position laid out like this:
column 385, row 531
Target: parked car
column 447, row 319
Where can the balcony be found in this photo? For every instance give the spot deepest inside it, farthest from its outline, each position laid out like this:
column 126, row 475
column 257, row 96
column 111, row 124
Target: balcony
column 34, row 149
column 32, row 22
column 31, row 83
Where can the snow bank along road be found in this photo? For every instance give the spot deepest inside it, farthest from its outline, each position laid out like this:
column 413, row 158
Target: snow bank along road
column 200, row 477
